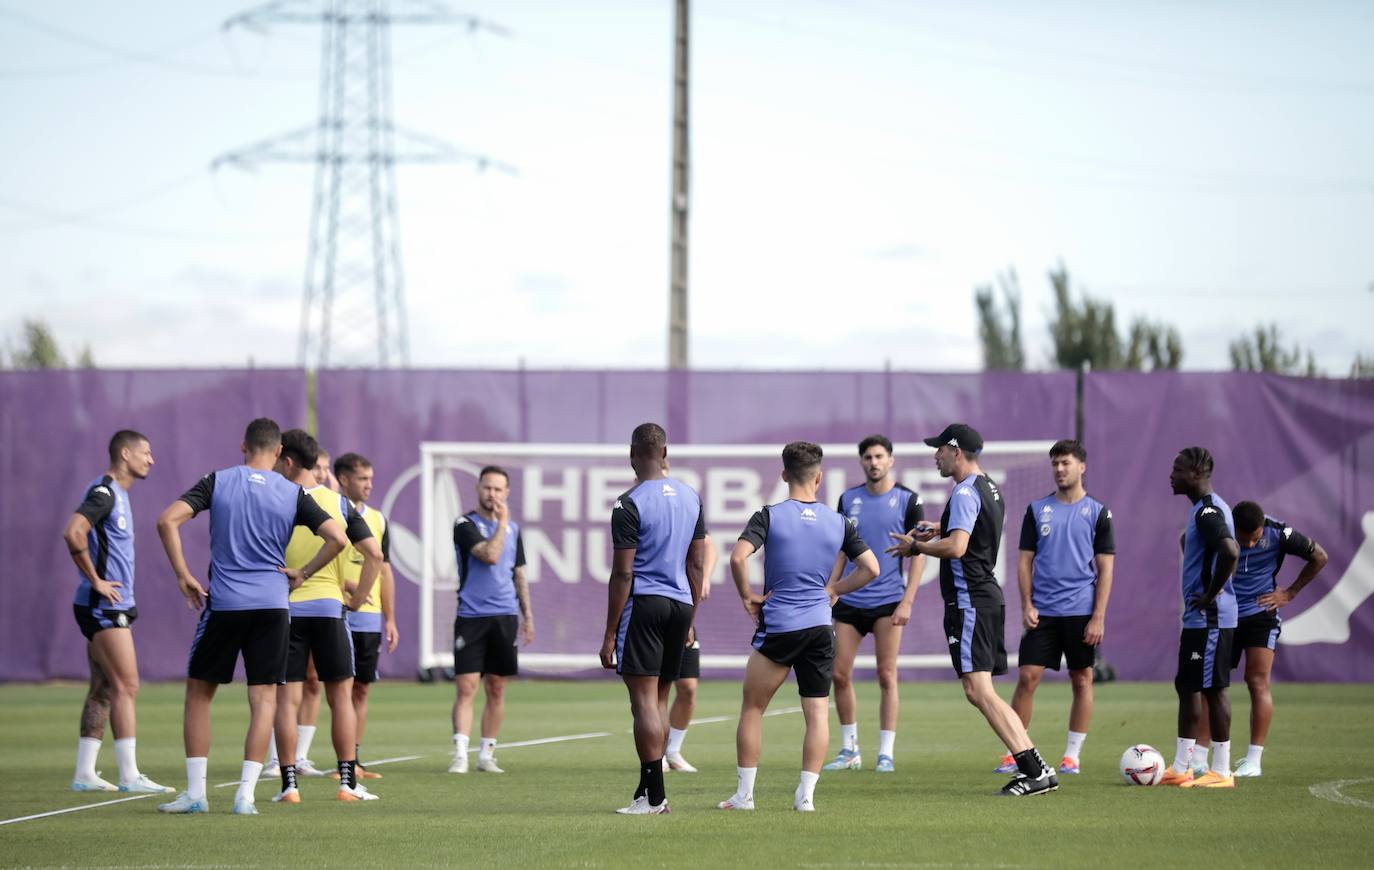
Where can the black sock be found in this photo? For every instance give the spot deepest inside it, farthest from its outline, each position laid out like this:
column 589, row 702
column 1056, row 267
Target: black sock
column 1030, row 763
column 348, row 777
column 288, row 776
column 653, row 781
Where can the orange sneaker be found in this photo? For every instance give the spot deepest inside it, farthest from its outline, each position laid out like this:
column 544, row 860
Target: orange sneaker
column 364, row 773
column 1173, row 777
column 288, row 796
column 1210, row 779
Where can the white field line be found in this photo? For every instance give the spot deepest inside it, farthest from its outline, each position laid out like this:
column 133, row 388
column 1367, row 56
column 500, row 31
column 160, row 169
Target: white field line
column 137, row 797
column 1331, row 791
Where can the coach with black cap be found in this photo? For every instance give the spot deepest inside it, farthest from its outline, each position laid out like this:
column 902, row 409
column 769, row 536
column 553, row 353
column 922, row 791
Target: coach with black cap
column 966, row 543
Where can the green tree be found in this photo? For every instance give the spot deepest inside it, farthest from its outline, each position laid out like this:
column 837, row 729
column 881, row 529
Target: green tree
column 1263, row 351
column 1363, row 367
column 1084, row 331
column 999, row 330
column 38, row 349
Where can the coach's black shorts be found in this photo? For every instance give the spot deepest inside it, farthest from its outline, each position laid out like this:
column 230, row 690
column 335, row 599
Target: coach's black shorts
column 975, row 640
column 95, row 619
column 367, row 650
column 691, row 663
column 261, row 635
column 809, row 652
column 862, row 618
column 1056, row 638
column 652, row 637
column 1256, row 631
column 328, row 639
column 1204, row 659
column 486, row 645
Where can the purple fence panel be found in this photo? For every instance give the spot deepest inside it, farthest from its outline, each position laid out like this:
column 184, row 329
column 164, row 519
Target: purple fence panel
column 56, row 426
column 1302, row 448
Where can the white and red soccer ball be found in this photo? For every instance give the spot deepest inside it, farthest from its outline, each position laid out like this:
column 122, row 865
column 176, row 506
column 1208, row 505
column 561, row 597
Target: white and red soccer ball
column 1142, row 765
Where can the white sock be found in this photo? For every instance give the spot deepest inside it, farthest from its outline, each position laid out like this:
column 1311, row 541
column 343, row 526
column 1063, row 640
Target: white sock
column 806, row 790
column 272, row 748
column 1253, row 754
column 886, row 740
column 1183, row 753
column 850, row 735
column 1200, row 754
column 87, row 748
column 305, row 735
column 126, row 757
column 248, row 780
column 1075, row 744
column 746, row 781
column 1221, row 760
column 488, row 744
column 195, row 777
column 460, row 744
column 675, row 738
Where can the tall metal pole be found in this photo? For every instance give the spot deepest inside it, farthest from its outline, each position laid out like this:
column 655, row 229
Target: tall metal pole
column 677, row 302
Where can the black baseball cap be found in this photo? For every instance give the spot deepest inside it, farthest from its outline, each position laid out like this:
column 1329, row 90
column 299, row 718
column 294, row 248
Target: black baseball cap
column 960, row 435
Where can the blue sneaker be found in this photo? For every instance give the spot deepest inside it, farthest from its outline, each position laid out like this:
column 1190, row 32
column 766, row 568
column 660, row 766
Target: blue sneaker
column 885, row 764
column 184, row 805
column 1008, row 765
column 245, row 808
column 144, row 785
column 1068, row 765
column 847, row 759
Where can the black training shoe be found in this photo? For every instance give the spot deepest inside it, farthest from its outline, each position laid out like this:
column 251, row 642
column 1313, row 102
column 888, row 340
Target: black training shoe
column 1026, row 786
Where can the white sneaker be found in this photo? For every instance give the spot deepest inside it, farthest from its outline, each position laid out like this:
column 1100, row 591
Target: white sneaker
column 272, row 768
column 356, row 793
column 640, row 806
column 144, row 785
column 185, row 805
column 804, row 805
column 96, row 784
column 1245, row 768
column 287, row 796
column 306, row 767
column 487, row 764
column 459, row 763
column 735, row 802
column 678, row 763
column 245, row 808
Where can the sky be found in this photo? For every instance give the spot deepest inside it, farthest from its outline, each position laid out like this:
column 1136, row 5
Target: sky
column 859, row 167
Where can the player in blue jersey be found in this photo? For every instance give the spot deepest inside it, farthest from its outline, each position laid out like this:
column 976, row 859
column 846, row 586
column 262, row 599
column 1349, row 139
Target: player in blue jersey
column 803, row 544
column 253, row 511
column 966, row 543
column 1065, row 576
column 1264, row 543
column 493, row 615
column 1210, row 552
column 100, row 538
column 657, row 573
column 878, row 507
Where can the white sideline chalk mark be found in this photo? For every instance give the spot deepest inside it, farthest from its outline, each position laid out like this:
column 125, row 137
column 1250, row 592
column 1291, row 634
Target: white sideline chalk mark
column 543, row 740
column 711, row 720
column 714, row 719
column 137, row 797
column 1331, row 791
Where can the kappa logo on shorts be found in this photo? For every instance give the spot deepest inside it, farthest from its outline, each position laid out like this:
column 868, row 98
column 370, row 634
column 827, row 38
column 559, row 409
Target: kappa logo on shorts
column 953, row 640
column 122, row 620
column 459, row 643
column 1195, row 657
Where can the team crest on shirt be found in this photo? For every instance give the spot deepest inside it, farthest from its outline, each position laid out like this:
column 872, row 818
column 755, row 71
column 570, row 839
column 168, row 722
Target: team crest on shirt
column 121, row 522
column 1262, row 544
column 1084, row 511
column 1045, row 530
column 892, row 502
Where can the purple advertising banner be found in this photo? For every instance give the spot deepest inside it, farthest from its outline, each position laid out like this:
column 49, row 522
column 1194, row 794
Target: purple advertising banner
column 1303, row 448
column 56, row 427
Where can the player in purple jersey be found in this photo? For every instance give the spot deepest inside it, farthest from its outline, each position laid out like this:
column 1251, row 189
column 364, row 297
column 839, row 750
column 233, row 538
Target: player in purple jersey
column 966, row 542
column 656, row 580
column 1065, row 576
column 802, row 542
column 100, row 538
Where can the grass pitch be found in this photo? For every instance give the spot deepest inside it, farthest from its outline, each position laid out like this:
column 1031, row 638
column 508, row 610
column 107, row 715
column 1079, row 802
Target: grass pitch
column 554, row 805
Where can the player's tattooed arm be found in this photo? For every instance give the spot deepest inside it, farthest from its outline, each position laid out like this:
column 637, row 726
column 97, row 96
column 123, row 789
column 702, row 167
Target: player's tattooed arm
column 522, row 594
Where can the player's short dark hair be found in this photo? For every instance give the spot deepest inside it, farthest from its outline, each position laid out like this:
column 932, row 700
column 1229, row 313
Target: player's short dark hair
column 875, row 441
column 1069, row 447
column 324, row 454
column 1198, row 459
column 121, row 439
column 300, row 447
column 348, row 463
column 800, row 459
column 493, row 469
column 648, row 439
column 1247, row 516
column 262, row 434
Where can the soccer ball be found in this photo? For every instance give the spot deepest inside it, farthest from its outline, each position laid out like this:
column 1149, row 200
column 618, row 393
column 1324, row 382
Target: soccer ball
column 1142, row 765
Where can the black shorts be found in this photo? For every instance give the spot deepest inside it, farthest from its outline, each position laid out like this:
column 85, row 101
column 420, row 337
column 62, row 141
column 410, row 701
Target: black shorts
column 95, row 619
column 1058, row 638
column 328, row 639
column 975, row 639
column 809, row 652
column 862, row 618
column 691, row 663
column 261, row 635
column 486, row 645
column 367, row 650
column 652, row 637
column 1256, row 631
column 1204, row 659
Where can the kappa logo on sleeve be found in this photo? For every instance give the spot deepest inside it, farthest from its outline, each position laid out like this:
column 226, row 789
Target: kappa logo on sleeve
column 1208, row 510
column 964, row 490
column 103, row 490
column 618, row 506
column 1288, row 531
